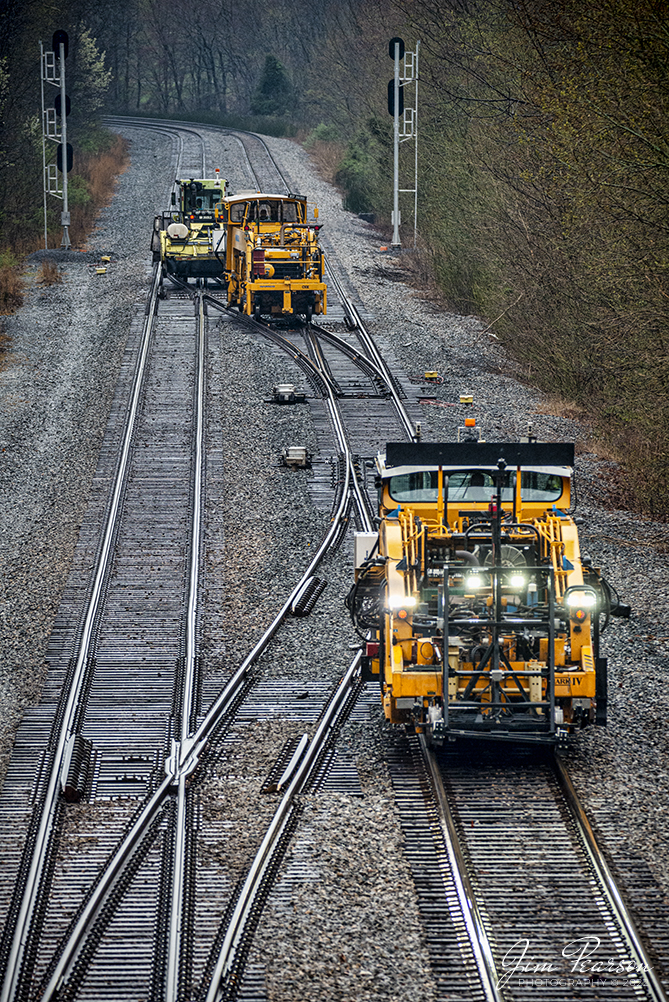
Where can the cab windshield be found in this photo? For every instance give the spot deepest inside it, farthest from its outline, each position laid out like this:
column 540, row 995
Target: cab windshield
column 266, row 210
column 474, row 486
column 202, row 200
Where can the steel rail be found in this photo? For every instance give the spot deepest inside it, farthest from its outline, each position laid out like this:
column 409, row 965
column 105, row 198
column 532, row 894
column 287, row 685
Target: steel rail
column 237, row 136
column 246, row 904
column 331, row 390
column 259, row 139
column 164, row 127
column 322, row 376
column 177, row 139
column 78, row 684
column 616, row 913
column 158, row 125
column 186, row 751
column 247, row 158
column 374, row 354
column 109, row 879
column 471, row 912
column 77, row 688
column 642, row 965
column 365, row 364
column 475, row 924
column 316, row 354
column 184, row 759
column 178, row 897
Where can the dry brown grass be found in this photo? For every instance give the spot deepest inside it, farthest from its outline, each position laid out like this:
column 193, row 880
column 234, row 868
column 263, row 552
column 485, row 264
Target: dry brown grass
column 100, row 172
column 49, row 273
column 5, row 348
column 11, row 288
column 419, row 266
column 327, row 158
column 556, row 406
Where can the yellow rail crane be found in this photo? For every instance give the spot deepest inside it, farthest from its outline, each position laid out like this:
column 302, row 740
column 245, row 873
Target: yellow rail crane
column 481, row 615
column 273, row 262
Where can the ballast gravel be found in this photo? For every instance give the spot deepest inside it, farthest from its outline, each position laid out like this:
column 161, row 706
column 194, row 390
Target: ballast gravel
column 348, row 927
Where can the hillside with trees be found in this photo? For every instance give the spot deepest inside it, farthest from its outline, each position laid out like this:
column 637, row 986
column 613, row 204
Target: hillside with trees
column 542, row 160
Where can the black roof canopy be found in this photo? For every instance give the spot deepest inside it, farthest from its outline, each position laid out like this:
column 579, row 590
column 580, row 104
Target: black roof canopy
column 479, row 453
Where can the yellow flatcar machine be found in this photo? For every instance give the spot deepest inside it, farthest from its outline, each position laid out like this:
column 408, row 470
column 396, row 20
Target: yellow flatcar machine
column 186, row 238
column 273, row 261
column 481, row 616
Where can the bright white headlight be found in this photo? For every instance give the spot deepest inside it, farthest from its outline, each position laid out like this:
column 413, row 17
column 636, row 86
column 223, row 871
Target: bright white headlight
column 585, row 599
column 401, row 602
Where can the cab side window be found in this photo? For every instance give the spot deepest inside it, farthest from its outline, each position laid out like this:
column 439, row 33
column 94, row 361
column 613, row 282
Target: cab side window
column 237, row 212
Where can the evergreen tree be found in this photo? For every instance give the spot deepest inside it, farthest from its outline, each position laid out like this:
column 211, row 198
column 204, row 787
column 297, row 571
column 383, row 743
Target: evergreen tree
column 274, row 92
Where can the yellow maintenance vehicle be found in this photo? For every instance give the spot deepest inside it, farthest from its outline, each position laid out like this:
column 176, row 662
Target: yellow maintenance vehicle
column 273, row 261
column 186, row 238
column 481, row 618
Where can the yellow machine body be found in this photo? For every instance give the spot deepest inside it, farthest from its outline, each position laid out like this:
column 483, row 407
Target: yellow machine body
column 483, row 617
column 273, row 261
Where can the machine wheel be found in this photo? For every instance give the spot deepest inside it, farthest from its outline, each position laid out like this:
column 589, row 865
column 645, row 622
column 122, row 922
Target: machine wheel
column 256, row 311
column 309, row 313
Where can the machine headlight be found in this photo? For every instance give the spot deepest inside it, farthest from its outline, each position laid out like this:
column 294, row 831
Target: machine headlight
column 396, row 602
column 516, row 581
column 585, row 598
column 580, row 602
column 474, row 582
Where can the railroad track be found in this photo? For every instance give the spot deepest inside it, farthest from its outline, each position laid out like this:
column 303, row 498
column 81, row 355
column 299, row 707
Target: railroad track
column 167, row 806
column 110, row 886
column 260, row 169
column 185, row 757
column 138, row 625
column 515, row 893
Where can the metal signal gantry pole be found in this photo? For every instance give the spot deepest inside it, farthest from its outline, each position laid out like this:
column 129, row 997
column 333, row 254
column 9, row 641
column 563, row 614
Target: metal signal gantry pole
column 45, row 184
column 65, row 214
column 51, row 130
column 396, row 50
column 404, row 128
